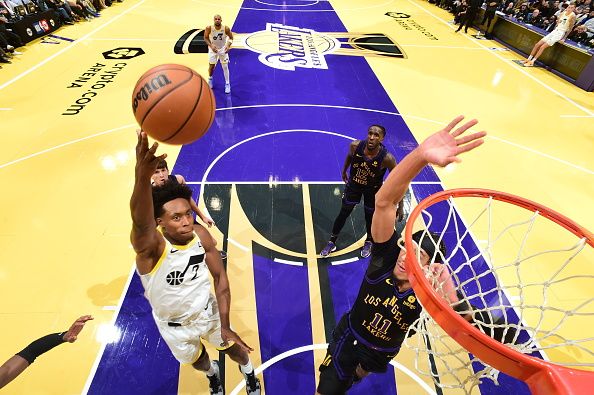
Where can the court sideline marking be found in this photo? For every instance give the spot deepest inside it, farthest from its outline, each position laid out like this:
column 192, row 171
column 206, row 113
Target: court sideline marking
column 60, row 52
column 507, row 62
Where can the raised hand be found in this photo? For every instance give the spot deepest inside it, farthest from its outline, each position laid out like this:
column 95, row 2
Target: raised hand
column 146, row 160
column 439, row 276
column 71, row 335
column 443, row 147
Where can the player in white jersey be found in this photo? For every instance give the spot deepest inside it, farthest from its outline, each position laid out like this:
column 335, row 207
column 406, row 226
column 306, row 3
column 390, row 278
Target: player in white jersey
column 564, row 26
column 219, row 38
column 174, row 262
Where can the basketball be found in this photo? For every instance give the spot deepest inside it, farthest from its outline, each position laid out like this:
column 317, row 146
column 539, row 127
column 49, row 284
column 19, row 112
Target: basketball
column 173, row 104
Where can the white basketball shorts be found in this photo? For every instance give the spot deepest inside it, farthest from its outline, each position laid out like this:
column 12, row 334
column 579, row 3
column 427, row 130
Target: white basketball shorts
column 184, row 340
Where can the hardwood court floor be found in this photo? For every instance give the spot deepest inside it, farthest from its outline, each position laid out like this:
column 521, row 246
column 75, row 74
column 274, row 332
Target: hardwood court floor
column 67, row 179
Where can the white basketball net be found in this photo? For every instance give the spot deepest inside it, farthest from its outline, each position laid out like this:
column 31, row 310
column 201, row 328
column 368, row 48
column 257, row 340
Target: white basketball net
column 528, row 280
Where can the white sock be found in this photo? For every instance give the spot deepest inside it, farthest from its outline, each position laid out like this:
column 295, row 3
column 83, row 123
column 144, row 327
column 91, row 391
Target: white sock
column 212, row 371
column 530, row 57
column 247, row 368
column 226, row 71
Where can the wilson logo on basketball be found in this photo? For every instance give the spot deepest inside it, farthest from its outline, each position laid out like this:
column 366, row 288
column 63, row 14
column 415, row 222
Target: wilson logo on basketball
column 148, row 88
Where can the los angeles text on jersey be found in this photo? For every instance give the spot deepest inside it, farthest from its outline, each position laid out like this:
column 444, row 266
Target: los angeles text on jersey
column 380, row 324
column 297, row 47
column 363, row 173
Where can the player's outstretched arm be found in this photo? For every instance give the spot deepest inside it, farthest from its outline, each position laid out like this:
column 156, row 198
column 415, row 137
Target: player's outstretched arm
column 19, row 362
column 146, row 240
column 221, row 285
column 441, row 149
column 194, row 205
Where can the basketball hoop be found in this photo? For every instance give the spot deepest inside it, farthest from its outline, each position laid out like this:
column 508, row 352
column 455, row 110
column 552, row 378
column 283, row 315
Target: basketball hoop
column 548, row 343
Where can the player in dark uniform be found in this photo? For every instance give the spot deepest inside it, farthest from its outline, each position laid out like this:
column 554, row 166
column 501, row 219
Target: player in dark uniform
column 162, row 176
column 368, row 160
column 370, row 334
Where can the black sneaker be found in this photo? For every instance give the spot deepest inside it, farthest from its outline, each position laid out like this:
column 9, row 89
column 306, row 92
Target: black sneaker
column 252, row 383
column 215, row 386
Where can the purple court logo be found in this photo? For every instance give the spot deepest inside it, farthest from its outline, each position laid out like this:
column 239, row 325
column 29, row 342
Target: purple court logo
column 291, row 48
column 288, row 47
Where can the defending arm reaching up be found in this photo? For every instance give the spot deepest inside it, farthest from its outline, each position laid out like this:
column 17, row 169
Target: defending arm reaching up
column 441, row 149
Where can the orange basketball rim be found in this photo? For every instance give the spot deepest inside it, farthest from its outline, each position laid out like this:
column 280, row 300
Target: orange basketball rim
column 541, row 376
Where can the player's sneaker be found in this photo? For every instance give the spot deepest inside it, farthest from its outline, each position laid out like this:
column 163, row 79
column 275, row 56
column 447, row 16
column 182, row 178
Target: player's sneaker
column 366, row 250
column 215, row 385
column 227, row 88
column 330, row 247
column 210, row 81
column 252, row 383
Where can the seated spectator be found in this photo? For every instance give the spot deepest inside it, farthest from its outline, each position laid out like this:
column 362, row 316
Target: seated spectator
column 543, row 7
column 534, row 18
column 561, row 10
column 550, row 23
column 580, row 13
column 12, row 39
column 553, row 8
column 66, row 13
column 579, row 35
column 4, row 57
column 7, row 9
column 522, row 12
column 588, row 21
column 509, row 9
column 99, row 5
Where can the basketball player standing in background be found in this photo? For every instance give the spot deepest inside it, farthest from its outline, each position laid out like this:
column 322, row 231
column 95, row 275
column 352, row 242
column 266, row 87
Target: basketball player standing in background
column 219, row 39
column 174, row 262
column 368, row 160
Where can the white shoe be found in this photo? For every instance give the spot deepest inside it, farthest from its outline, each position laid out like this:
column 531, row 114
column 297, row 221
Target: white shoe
column 210, row 82
column 227, row 88
column 9, row 47
column 17, row 53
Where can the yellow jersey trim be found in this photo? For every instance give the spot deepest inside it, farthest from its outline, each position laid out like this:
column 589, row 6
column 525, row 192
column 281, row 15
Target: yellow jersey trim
column 160, row 261
column 189, row 245
column 228, row 346
column 198, row 355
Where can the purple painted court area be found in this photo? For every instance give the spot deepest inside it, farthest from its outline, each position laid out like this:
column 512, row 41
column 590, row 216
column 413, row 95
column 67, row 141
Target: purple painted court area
column 139, row 362
column 286, row 142
column 284, row 323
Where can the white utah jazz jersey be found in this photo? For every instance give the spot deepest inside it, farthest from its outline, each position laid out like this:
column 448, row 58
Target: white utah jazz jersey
column 179, row 285
column 563, row 24
column 218, row 37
